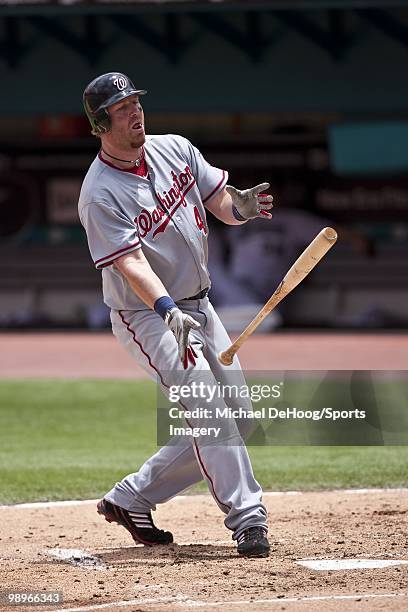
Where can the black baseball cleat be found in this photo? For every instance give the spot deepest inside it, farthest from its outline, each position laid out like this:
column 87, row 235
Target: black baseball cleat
column 253, row 543
column 139, row 524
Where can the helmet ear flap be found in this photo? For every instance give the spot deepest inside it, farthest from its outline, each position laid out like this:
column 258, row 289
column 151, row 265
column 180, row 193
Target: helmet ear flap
column 101, row 122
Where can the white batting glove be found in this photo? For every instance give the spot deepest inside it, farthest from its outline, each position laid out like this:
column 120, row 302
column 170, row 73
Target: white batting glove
column 181, row 324
column 251, row 203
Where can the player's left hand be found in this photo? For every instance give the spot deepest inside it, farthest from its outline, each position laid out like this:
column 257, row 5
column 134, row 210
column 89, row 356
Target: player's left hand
column 251, row 203
column 181, row 324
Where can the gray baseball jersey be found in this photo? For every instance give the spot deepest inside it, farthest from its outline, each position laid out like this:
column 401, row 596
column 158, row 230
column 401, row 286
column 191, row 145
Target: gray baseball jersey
column 164, row 213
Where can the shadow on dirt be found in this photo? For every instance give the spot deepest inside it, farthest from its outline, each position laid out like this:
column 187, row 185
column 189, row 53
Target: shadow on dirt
column 167, row 555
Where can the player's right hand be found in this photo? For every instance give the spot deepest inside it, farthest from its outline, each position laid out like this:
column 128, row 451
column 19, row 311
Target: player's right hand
column 181, row 324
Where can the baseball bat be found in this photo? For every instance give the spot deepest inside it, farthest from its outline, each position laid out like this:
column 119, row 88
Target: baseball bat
column 310, row 257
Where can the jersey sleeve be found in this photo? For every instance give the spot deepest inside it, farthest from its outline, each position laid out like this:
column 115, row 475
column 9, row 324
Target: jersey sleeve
column 210, row 180
column 110, row 233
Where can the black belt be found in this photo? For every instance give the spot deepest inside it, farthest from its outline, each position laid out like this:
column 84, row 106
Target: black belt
column 198, row 296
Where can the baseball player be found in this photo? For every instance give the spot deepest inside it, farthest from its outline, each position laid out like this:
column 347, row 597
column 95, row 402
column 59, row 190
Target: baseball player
column 143, row 205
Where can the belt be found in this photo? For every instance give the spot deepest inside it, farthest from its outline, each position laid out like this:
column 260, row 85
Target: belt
column 199, row 296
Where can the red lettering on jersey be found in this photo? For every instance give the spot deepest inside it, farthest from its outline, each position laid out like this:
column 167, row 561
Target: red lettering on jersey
column 199, row 221
column 144, row 223
column 174, row 192
column 161, row 200
column 175, row 179
column 183, row 178
column 158, row 213
column 169, row 202
column 170, row 199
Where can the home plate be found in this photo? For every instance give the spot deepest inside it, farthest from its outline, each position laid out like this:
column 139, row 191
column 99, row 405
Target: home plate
column 75, row 556
column 349, row 564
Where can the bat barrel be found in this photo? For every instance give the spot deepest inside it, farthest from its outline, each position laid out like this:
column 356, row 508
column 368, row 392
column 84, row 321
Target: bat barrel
column 311, row 256
column 330, row 234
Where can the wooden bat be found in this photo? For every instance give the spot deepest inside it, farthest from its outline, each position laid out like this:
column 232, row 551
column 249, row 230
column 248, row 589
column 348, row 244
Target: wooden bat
column 311, row 256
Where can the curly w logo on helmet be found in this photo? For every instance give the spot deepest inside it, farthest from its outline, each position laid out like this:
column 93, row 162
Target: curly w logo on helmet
column 120, row 82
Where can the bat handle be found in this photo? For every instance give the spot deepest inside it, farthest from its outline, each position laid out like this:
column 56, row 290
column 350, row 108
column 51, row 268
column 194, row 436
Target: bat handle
column 227, row 357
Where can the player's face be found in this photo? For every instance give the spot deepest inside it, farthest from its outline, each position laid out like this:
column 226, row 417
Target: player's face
column 127, row 123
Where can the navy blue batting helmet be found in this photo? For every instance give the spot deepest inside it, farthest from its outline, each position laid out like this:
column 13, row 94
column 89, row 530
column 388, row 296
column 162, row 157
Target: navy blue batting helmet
column 102, row 92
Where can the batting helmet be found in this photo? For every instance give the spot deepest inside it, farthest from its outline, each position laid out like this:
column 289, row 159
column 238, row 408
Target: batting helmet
column 102, row 92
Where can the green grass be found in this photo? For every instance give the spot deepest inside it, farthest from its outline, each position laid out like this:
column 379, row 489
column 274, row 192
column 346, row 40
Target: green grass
column 75, row 439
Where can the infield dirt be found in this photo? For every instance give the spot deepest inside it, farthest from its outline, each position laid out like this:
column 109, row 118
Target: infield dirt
column 203, row 568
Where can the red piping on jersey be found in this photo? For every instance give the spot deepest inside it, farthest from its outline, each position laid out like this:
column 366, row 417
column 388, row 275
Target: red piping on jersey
column 115, row 253
column 216, row 188
column 184, row 407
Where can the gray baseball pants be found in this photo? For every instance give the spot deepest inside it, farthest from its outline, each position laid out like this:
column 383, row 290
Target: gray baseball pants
column 225, row 465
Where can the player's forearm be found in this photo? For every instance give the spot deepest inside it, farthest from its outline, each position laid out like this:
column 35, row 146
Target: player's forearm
column 142, row 279
column 221, row 207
